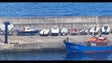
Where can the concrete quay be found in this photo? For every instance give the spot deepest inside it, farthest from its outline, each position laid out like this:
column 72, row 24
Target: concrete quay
column 29, row 43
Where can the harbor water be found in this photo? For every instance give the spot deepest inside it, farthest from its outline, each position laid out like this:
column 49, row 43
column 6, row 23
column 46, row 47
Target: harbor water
column 54, row 55
column 39, row 9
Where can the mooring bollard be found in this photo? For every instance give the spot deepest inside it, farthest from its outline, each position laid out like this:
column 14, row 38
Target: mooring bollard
column 6, row 23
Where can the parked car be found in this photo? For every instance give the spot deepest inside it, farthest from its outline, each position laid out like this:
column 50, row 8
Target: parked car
column 74, row 31
column 44, row 32
column 105, row 29
column 54, row 31
column 83, row 31
column 94, row 30
column 64, row 31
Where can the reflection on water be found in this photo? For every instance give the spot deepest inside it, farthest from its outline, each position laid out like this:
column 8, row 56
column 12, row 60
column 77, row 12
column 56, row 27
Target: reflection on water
column 93, row 56
column 53, row 55
column 32, row 55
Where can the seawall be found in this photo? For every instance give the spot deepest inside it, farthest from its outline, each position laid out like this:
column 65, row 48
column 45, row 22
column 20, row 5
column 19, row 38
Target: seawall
column 34, row 46
column 50, row 42
column 61, row 21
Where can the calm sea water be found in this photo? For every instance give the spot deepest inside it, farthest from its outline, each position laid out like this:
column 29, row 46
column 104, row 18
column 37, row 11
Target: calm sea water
column 53, row 55
column 39, row 9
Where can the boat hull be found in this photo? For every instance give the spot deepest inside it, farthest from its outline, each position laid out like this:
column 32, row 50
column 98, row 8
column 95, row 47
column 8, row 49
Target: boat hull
column 3, row 32
column 44, row 34
column 27, row 32
column 93, row 56
column 77, row 48
column 105, row 33
column 54, row 34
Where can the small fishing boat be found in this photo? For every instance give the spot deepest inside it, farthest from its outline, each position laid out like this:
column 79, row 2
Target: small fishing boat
column 74, row 31
column 64, row 31
column 10, row 29
column 100, row 44
column 27, row 31
column 83, row 31
column 105, row 29
column 55, row 31
column 94, row 30
column 44, row 32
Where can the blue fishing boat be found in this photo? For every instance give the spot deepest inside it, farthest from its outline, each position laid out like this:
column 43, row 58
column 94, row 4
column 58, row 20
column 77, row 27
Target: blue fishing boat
column 81, row 48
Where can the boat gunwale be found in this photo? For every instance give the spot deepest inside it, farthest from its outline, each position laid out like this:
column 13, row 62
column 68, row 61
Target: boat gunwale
column 86, row 45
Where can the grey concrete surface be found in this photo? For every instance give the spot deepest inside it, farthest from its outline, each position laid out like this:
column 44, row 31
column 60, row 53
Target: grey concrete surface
column 23, row 43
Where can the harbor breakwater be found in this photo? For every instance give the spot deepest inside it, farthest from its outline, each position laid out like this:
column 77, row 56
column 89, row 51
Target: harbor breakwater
column 50, row 43
column 60, row 21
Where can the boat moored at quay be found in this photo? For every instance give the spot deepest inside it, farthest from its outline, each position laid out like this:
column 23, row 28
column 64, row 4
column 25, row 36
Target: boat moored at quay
column 100, row 44
column 27, row 31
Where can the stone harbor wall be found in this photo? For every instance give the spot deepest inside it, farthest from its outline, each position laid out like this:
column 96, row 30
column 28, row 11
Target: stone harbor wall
column 62, row 21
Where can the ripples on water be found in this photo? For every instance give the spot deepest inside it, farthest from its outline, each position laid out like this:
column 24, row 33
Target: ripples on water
column 53, row 55
column 39, row 9
column 94, row 56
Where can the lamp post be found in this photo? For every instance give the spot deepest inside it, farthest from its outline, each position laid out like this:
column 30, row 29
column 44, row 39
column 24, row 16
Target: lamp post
column 6, row 23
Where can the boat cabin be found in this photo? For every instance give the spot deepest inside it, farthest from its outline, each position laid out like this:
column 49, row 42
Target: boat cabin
column 27, row 29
